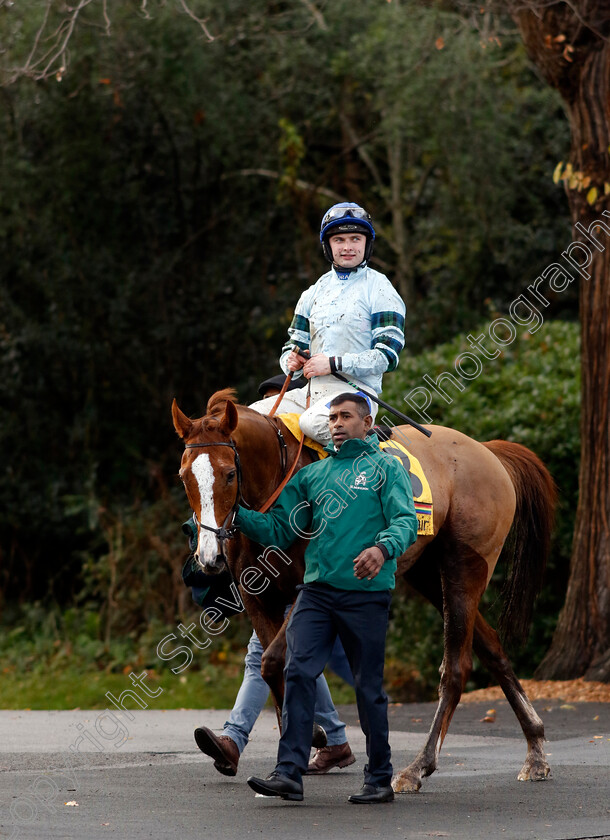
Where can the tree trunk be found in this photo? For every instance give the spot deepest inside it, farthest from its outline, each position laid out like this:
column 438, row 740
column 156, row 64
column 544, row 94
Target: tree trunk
column 571, row 47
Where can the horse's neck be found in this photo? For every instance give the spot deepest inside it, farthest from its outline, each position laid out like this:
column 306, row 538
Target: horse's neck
column 262, row 462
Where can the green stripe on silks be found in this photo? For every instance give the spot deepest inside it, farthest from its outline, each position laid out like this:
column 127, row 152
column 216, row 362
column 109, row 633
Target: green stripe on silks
column 387, row 319
column 299, row 322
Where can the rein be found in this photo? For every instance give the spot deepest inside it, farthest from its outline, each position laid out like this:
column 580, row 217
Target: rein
column 288, row 475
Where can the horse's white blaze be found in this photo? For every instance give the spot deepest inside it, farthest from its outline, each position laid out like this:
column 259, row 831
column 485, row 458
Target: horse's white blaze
column 204, row 475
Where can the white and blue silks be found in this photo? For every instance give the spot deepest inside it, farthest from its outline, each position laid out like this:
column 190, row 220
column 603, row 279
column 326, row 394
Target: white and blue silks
column 356, row 318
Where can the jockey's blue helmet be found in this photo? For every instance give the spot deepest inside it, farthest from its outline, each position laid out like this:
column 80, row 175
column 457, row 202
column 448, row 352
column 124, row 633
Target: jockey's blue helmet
column 346, row 217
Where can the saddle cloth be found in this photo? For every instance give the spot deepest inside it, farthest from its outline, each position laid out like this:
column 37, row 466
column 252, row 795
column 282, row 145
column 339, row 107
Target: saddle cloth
column 422, row 495
column 292, row 423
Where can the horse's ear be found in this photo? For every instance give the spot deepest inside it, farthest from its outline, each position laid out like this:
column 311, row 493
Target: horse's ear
column 228, row 423
column 182, row 424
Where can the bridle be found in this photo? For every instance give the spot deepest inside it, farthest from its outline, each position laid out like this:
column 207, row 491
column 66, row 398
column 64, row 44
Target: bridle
column 227, row 533
column 223, row 533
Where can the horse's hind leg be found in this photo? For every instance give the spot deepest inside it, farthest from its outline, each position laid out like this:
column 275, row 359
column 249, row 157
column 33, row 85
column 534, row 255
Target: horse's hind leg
column 489, row 650
column 464, row 578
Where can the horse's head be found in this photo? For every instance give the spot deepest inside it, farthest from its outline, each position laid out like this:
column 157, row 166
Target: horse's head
column 210, row 472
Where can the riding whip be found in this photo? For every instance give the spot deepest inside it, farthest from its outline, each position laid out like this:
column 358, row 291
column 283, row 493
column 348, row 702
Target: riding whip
column 305, row 354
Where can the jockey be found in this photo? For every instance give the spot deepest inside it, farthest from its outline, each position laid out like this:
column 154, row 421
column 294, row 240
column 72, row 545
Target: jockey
column 351, row 321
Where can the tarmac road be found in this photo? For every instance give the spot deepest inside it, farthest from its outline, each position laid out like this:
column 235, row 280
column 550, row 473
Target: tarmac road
column 142, row 776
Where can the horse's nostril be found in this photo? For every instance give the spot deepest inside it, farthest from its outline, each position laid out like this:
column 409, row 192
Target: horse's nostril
column 214, row 567
column 211, row 567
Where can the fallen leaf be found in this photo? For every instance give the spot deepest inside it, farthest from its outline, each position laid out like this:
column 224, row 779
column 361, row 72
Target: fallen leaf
column 72, row 803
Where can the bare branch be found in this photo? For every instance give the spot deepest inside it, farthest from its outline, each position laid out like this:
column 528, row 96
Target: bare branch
column 49, row 52
column 39, row 33
column 55, row 58
column 301, row 185
column 106, row 16
column 316, row 14
column 193, row 16
column 358, row 144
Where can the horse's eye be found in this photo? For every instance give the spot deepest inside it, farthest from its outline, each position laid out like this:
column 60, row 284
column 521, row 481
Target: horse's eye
column 230, row 476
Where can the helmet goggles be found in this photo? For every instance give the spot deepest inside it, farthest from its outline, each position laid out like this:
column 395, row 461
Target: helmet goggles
column 341, row 211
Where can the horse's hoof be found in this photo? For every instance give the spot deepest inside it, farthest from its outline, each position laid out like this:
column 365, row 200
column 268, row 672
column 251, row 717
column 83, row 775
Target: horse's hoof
column 406, row 782
column 318, row 737
column 534, row 772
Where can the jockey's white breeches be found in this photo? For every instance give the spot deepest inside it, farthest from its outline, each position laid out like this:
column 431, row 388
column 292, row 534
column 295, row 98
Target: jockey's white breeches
column 314, row 420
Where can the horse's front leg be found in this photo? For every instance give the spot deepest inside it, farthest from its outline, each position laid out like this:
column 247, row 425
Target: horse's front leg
column 272, row 667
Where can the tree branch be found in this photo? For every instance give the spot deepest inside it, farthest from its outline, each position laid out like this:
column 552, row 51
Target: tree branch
column 358, row 144
column 49, row 53
column 316, row 14
column 202, row 23
column 302, row 185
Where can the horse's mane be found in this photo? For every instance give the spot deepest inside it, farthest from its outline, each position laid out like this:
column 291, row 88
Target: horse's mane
column 218, row 401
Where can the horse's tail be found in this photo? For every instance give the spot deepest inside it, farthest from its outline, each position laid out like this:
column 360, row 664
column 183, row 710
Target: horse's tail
column 528, row 543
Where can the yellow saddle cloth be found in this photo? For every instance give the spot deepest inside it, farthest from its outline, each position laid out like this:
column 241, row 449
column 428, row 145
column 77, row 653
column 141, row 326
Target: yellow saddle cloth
column 292, row 422
column 422, row 495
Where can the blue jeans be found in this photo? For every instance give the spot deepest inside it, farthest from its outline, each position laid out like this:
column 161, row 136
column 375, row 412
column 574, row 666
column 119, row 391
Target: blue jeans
column 253, row 695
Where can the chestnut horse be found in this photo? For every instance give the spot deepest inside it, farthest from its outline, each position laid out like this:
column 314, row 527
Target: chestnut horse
column 481, row 492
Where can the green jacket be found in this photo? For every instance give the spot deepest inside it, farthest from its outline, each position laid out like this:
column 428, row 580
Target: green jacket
column 357, row 498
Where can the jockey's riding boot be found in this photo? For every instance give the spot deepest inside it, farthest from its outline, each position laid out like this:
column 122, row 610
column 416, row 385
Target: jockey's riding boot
column 339, row 755
column 221, row 748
